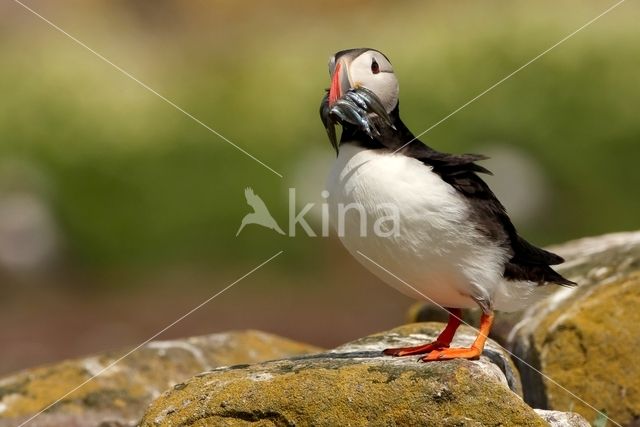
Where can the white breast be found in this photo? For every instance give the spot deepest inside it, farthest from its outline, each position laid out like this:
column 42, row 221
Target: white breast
column 436, row 249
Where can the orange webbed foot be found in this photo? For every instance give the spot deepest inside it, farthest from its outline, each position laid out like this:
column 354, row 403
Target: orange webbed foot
column 420, row 349
column 471, row 353
column 441, row 343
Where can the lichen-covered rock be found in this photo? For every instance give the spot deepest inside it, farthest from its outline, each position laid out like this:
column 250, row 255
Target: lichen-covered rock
column 353, row 385
column 562, row 419
column 119, row 395
column 586, row 340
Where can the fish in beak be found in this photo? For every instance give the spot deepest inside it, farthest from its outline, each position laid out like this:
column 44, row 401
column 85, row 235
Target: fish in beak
column 345, row 105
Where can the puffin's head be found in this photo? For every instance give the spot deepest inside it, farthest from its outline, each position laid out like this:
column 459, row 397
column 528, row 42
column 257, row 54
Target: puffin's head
column 363, row 68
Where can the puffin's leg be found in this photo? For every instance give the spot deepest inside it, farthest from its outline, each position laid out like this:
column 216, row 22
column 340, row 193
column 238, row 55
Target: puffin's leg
column 472, row 352
column 443, row 340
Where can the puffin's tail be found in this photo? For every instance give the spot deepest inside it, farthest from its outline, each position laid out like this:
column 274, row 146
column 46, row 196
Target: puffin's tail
column 531, row 263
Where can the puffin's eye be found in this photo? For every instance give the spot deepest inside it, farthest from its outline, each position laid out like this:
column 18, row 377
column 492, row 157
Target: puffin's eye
column 375, row 68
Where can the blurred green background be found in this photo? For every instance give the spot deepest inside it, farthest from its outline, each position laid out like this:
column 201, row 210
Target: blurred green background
column 118, row 213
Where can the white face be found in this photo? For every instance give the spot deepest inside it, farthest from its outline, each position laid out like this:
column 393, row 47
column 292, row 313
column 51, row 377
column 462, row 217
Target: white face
column 374, row 72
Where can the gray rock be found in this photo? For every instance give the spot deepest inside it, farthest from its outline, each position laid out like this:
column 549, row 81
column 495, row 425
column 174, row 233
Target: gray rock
column 118, row 396
column 563, row 419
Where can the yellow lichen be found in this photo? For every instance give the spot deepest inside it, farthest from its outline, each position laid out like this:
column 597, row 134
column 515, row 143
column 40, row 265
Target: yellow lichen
column 590, row 349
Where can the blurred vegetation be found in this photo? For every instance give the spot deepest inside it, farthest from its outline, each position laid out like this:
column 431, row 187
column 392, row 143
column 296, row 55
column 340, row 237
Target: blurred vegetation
column 134, row 183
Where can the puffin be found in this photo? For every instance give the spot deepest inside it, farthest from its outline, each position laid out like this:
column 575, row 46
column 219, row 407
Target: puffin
column 454, row 244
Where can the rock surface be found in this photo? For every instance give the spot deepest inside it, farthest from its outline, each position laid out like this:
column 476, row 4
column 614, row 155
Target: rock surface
column 563, row 419
column 354, row 385
column 586, row 340
column 583, row 342
column 119, row 395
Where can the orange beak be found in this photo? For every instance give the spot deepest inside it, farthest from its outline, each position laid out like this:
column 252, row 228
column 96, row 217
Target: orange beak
column 335, row 92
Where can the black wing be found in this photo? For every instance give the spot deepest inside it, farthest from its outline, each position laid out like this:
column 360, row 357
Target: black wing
column 528, row 262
